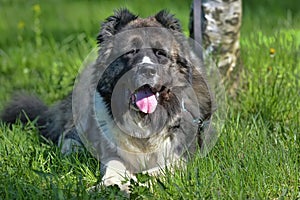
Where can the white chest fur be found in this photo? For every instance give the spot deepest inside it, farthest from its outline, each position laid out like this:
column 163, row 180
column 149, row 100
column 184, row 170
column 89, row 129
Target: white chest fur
column 129, row 149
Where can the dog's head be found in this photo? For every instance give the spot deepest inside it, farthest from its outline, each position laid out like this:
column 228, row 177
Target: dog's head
column 149, row 78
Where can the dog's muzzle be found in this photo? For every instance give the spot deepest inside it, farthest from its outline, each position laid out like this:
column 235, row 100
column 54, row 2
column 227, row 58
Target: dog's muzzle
column 144, row 99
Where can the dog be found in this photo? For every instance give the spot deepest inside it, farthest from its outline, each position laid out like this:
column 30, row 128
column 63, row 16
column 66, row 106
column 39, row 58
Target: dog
column 144, row 103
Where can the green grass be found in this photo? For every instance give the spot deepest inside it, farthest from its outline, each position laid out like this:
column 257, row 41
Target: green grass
column 256, row 157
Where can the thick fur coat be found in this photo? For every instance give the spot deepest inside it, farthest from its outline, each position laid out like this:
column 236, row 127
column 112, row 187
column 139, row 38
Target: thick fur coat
column 149, row 102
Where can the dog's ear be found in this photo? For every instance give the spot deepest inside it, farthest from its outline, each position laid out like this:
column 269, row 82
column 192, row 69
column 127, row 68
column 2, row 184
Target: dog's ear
column 115, row 23
column 168, row 20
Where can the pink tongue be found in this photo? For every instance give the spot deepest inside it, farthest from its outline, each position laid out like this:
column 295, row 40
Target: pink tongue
column 146, row 100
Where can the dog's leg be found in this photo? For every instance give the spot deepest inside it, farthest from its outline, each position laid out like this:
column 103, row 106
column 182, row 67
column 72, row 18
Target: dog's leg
column 115, row 173
column 70, row 142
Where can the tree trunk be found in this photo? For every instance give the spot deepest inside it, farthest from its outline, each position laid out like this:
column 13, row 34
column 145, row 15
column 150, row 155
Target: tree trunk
column 220, row 24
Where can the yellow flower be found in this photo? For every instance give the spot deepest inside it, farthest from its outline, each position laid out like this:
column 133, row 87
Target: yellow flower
column 272, row 52
column 21, row 25
column 270, row 68
column 36, row 8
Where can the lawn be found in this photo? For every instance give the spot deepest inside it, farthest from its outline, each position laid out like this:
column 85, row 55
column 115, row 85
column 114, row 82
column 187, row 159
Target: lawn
column 257, row 156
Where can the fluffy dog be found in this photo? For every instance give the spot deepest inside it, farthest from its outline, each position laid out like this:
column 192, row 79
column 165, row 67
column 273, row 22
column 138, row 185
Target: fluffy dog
column 141, row 105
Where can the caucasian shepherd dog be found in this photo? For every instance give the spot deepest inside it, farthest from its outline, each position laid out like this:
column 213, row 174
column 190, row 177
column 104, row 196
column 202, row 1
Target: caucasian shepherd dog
column 142, row 104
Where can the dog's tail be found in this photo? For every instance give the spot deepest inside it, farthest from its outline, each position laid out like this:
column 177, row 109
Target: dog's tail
column 50, row 121
column 24, row 107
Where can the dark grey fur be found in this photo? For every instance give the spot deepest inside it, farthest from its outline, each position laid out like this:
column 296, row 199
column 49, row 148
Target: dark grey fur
column 173, row 72
column 50, row 121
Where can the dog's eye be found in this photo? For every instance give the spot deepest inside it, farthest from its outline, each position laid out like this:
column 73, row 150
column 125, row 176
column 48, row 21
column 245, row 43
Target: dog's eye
column 132, row 52
column 160, row 53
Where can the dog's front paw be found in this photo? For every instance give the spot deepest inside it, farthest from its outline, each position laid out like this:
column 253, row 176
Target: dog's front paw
column 116, row 174
column 119, row 181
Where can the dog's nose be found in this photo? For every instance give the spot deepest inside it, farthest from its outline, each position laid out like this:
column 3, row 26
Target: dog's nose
column 148, row 71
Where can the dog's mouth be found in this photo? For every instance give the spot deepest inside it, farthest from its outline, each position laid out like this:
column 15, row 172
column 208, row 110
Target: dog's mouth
column 145, row 98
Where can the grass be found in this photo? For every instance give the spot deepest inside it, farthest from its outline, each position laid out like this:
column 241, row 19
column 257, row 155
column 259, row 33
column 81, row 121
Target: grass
column 257, row 156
